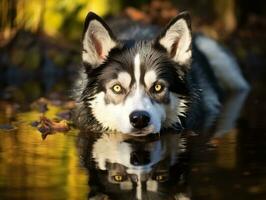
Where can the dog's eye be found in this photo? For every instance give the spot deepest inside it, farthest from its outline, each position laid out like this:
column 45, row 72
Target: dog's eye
column 117, row 89
column 158, row 87
column 118, row 178
column 161, row 177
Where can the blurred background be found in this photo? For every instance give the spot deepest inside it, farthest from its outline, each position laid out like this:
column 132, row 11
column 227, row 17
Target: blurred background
column 40, row 42
column 40, row 39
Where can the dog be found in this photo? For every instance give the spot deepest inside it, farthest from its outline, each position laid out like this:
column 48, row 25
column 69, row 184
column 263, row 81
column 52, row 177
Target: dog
column 138, row 81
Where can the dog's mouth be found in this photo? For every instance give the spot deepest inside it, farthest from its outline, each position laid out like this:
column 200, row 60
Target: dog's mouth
column 143, row 132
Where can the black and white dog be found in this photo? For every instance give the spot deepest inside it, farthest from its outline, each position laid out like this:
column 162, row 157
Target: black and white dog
column 138, row 83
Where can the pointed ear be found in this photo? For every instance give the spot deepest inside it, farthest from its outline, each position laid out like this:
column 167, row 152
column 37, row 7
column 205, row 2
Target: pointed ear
column 176, row 39
column 97, row 40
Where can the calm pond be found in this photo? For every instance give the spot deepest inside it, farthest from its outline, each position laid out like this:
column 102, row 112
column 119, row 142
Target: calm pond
column 75, row 165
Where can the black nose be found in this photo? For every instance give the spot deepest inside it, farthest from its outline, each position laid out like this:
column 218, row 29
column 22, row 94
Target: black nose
column 139, row 119
column 139, row 157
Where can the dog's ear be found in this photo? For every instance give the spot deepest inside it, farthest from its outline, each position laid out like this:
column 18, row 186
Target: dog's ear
column 97, row 40
column 176, row 39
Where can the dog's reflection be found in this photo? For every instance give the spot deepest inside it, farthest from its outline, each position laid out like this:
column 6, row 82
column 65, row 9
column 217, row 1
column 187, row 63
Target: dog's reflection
column 135, row 168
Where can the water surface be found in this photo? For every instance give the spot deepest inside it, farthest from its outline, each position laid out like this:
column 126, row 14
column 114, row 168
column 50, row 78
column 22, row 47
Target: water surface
column 226, row 159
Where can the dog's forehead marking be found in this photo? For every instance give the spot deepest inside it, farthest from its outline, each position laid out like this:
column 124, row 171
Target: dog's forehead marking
column 124, row 78
column 149, row 78
column 137, row 69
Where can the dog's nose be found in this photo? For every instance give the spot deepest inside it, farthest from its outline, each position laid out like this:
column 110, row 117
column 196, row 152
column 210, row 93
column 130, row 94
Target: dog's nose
column 138, row 158
column 139, row 119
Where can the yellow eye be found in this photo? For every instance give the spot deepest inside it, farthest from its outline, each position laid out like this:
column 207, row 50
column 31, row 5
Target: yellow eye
column 118, row 178
column 158, row 87
column 160, row 178
column 117, row 88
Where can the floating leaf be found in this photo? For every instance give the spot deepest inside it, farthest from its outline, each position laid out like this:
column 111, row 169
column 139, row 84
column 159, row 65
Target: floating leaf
column 47, row 126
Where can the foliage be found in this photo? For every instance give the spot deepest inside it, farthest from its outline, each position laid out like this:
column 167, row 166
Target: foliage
column 52, row 17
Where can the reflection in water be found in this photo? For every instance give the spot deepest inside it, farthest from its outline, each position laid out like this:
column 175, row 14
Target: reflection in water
column 170, row 166
column 156, row 167
column 32, row 168
column 133, row 168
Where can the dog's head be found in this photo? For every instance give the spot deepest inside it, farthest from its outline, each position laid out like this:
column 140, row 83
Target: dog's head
column 139, row 88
